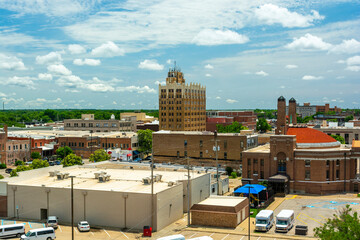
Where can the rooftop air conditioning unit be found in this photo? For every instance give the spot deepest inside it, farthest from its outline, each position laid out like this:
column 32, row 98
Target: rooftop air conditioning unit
column 52, row 174
column 170, row 183
column 66, row 175
column 102, row 179
column 96, row 175
column 146, row 180
column 158, row 177
column 60, row 176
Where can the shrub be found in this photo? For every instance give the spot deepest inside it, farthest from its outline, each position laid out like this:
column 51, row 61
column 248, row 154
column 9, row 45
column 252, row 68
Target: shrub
column 71, row 160
column 35, row 155
column 37, row 163
column 1, row 176
column 229, row 170
column 2, row 165
column 99, row 156
column 19, row 163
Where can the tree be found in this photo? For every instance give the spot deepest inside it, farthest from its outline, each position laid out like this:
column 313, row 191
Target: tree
column 233, row 175
column 19, row 163
column 348, row 118
column 71, row 160
column 145, row 140
column 262, row 125
column 35, row 155
column 99, row 156
column 235, row 127
column 1, row 176
column 37, row 163
column 229, row 170
column 64, row 151
column 342, row 226
column 2, row 165
column 20, row 168
column 338, row 138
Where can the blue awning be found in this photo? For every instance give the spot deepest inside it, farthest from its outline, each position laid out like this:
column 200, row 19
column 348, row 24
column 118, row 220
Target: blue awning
column 254, row 189
column 136, row 152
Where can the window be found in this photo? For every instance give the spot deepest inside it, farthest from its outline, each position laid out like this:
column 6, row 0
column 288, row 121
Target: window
column 185, row 143
column 255, row 161
column 185, row 153
column 337, row 174
column 178, row 154
column 356, row 136
column 113, row 125
column 327, row 174
column 249, row 173
column 97, row 124
column 201, row 154
column 307, row 163
column 225, row 144
column 225, row 155
column 91, row 125
column 307, row 174
column 106, row 124
column 338, row 162
column 262, row 174
column 241, row 144
column 82, row 124
column 261, row 162
column 327, row 163
column 249, row 161
column 201, row 143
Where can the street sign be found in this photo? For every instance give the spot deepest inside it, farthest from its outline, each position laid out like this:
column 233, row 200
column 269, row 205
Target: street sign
column 214, row 148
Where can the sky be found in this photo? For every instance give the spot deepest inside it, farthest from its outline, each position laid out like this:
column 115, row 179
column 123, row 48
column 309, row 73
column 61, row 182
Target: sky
column 97, row 54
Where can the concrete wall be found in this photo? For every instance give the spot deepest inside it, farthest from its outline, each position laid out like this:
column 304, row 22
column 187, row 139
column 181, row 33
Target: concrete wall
column 200, row 190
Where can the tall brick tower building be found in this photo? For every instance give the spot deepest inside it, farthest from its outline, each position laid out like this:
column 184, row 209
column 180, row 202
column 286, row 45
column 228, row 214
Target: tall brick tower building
column 281, row 116
column 292, row 111
column 182, row 107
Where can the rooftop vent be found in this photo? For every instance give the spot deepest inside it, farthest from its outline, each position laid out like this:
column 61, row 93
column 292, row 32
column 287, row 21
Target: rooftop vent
column 158, row 177
column 170, row 183
column 146, row 180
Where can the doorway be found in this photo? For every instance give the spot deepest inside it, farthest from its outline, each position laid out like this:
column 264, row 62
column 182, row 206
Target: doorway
column 43, row 213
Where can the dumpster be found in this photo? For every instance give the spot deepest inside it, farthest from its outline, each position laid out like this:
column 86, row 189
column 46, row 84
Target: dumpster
column 147, row 231
column 301, row 230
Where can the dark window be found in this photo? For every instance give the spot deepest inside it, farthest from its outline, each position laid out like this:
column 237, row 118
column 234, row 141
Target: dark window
column 307, row 163
column 307, row 174
column 337, row 162
column 185, row 143
column 327, row 163
column 255, row 161
column 225, row 144
column 356, row 136
column 178, row 154
column 201, row 143
column 201, row 154
column 12, row 228
column 262, row 174
column 249, row 173
column 185, row 153
column 337, row 174
column 249, row 161
column 327, row 174
column 262, row 162
column 225, row 155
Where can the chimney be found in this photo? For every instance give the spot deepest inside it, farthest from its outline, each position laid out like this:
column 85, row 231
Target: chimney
column 292, row 112
column 281, row 117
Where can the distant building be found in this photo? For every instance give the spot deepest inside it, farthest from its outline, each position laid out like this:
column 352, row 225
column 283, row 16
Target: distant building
column 308, row 110
column 245, row 118
column 88, row 123
column 175, row 146
column 348, row 132
column 182, row 106
column 141, row 117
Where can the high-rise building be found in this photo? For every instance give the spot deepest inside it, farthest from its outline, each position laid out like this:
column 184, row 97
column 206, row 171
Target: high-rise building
column 182, row 107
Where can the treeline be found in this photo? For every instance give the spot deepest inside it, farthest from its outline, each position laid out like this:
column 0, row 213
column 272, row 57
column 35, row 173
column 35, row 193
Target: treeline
column 19, row 118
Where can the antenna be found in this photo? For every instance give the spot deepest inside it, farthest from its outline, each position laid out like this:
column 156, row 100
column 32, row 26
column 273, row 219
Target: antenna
column 174, row 65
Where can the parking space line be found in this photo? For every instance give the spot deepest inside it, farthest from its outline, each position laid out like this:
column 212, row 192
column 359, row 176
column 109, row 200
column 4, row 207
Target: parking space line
column 242, row 237
column 92, row 233
column 323, row 216
column 225, row 237
column 312, row 218
column 76, row 230
column 43, row 225
column 259, row 238
column 2, row 222
column 193, row 235
column 211, row 234
column 60, row 228
column 107, row 233
column 29, row 224
column 300, row 219
column 123, row 234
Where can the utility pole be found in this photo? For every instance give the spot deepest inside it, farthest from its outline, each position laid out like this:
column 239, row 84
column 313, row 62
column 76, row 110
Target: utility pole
column 344, row 172
column 152, row 189
column 91, row 131
column 249, row 213
column 188, row 192
column 72, row 207
column 217, row 164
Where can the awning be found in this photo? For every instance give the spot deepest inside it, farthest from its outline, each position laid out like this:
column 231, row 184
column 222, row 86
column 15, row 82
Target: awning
column 254, row 189
column 278, row 178
column 128, row 155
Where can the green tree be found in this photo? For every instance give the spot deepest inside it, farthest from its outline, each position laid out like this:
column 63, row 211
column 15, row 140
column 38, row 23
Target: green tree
column 338, row 138
column 1, row 176
column 342, row 226
column 35, row 155
column 64, row 151
column 99, row 156
column 37, row 163
column 262, row 125
column 348, row 118
column 19, row 163
column 20, row 168
column 2, row 165
column 145, row 140
column 235, row 127
column 71, row 160
column 229, row 170
column 233, row 175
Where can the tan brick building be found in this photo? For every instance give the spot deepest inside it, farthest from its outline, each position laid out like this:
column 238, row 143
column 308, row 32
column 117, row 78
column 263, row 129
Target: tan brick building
column 175, row 146
column 88, row 123
column 302, row 160
column 182, row 107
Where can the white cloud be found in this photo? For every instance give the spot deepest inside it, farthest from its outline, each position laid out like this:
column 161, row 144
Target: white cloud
column 76, row 49
column 208, row 75
column 309, row 42
column 59, row 69
column 347, row 46
column 291, row 66
column 72, row 90
column 51, row 58
column 210, row 37
column 231, row 101
column 158, row 82
column 108, row 49
column 271, row 14
column 282, row 87
column 45, row 76
column 209, row 66
column 14, row 100
column 11, row 63
column 2, row 94
column 353, row 64
column 169, row 61
column 20, row 82
column 87, row 61
column 218, row 98
column 145, row 89
column 150, row 65
column 262, row 73
column 310, row 78
column 114, row 102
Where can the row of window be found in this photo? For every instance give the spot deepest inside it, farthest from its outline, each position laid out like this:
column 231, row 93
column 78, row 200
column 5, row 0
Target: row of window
column 126, row 124
column 20, row 146
column 104, row 145
column 200, row 155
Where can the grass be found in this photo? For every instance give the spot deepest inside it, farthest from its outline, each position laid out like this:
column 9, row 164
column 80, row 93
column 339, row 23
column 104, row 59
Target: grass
column 255, row 212
column 358, row 195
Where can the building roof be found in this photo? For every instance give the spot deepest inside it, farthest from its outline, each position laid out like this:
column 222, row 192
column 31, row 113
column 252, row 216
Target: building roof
column 281, row 98
column 356, row 144
column 310, row 135
column 292, row 100
column 224, row 201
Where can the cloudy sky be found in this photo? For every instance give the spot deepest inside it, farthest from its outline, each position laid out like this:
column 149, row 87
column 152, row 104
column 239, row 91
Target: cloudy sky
column 113, row 54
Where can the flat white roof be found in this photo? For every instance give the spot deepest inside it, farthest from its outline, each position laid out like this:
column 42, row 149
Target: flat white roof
column 264, row 213
column 61, row 133
column 285, row 213
column 222, row 201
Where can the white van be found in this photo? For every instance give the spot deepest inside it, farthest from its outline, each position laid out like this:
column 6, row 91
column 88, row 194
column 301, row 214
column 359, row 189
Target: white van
column 12, row 230
column 202, row 238
column 40, row 234
column 285, row 220
column 264, row 220
column 173, row 237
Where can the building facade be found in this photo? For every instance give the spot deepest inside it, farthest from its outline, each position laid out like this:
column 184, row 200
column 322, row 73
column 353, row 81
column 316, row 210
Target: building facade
column 88, row 123
column 245, row 118
column 182, row 107
column 3, row 141
column 348, row 133
column 302, row 160
column 307, row 109
column 176, row 146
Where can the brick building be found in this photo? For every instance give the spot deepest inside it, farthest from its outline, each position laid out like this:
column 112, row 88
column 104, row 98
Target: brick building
column 182, row 106
column 175, row 146
column 3, row 140
column 302, row 160
column 308, row 110
column 245, row 118
column 88, row 123
column 348, row 132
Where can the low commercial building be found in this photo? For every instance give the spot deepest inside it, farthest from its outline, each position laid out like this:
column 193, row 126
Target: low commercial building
column 245, row 118
column 140, row 116
column 349, row 132
column 220, row 211
column 88, row 123
column 104, row 196
column 175, row 147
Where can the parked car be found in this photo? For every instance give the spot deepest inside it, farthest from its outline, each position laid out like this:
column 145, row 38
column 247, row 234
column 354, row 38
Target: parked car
column 52, row 221
column 148, row 158
column 12, row 230
column 28, row 163
column 40, row 234
column 137, row 160
column 52, row 163
column 83, row 226
column 8, row 170
column 57, row 162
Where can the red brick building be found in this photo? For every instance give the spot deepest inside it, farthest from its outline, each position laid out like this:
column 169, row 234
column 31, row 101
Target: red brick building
column 245, row 118
column 302, row 160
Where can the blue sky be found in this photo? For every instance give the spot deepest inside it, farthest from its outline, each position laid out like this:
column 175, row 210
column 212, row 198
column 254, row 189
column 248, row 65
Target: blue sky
column 113, row 54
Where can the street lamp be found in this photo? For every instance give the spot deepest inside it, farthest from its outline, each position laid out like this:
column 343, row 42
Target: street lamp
column 91, row 132
column 72, row 207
